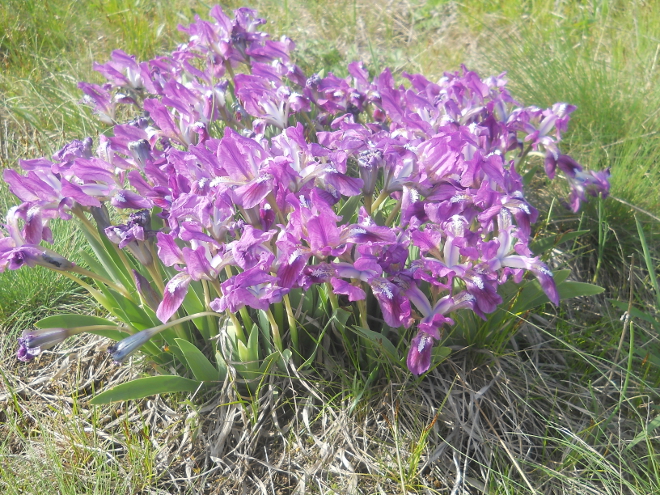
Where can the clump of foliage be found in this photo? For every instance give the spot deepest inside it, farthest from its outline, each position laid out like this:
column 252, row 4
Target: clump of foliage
column 241, row 211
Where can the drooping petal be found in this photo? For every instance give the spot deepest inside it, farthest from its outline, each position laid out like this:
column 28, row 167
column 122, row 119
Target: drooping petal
column 483, row 289
column 323, row 234
column 395, row 307
column 197, row 264
column 540, row 270
column 419, row 356
column 128, row 199
column 547, row 281
column 26, row 353
column 353, row 292
column 175, row 292
column 33, row 231
column 168, row 251
column 289, row 272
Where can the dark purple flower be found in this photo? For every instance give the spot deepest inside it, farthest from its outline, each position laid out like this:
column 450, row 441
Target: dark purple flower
column 14, row 257
column 32, row 342
column 588, row 183
column 317, row 274
column 133, row 236
column 419, row 356
column 394, row 306
column 483, row 286
column 26, row 353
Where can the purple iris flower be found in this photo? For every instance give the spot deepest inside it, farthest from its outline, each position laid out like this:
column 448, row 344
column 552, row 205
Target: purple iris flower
column 592, row 183
column 504, row 258
column 133, row 236
column 101, row 101
column 16, row 252
column 26, row 353
column 75, row 149
column 421, row 346
column 268, row 99
column 256, row 173
column 253, row 287
column 122, row 71
column 246, row 164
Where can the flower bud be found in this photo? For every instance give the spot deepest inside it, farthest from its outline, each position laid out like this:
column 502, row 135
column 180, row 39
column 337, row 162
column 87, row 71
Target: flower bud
column 124, row 348
column 32, row 342
column 149, row 295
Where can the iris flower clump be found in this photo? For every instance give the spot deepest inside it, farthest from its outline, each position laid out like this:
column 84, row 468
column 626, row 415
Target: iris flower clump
column 229, row 186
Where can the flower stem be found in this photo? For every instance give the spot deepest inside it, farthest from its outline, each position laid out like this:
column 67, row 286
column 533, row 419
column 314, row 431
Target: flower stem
column 275, row 331
column 273, row 204
column 213, row 327
column 334, row 302
column 368, row 201
column 523, row 155
column 93, row 292
column 86, row 273
column 312, row 127
column 293, row 328
column 216, row 285
column 155, row 273
column 230, row 70
column 381, row 197
column 362, row 308
column 86, row 223
column 185, row 319
column 393, row 214
column 237, row 325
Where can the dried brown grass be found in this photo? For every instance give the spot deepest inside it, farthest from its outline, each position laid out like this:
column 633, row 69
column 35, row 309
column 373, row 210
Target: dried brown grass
column 472, row 421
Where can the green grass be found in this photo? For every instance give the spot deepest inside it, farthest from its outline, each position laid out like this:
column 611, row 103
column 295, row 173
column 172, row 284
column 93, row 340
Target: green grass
column 589, row 421
column 604, row 60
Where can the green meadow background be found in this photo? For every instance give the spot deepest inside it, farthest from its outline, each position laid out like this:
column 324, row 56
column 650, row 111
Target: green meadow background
column 602, row 56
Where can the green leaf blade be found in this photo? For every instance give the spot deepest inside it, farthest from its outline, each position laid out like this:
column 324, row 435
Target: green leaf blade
column 201, row 367
column 145, row 387
column 72, row 321
column 380, row 342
